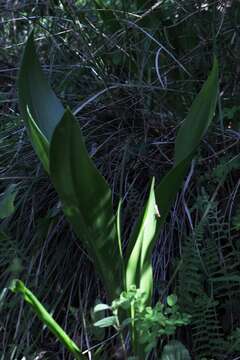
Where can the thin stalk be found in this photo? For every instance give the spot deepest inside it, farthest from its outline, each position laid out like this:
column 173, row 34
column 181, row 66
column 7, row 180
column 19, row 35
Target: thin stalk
column 122, row 339
column 17, row 286
column 133, row 332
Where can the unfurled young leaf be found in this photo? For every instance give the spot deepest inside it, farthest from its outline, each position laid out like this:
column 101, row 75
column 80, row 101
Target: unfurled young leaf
column 138, row 264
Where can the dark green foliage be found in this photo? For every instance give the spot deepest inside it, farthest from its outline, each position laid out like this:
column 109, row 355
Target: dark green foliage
column 208, row 282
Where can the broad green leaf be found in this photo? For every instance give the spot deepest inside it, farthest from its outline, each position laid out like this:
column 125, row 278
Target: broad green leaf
column 7, row 199
column 188, row 139
column 175, row 350
column 85, row 195
column 193, row 129
column 139, row 266
column 199, row 117
column 39, row 106
column 106, row 322
column 17, row 286
column 87, row 201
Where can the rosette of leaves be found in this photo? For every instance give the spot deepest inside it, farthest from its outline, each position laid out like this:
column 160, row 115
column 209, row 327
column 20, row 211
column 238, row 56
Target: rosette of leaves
column 86, row 197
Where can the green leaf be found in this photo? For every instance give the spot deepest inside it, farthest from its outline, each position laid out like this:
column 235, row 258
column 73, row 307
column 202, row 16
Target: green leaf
column 175, row 350
column 106, row 322
column 7, row 199
column 172, row 300
column 39, row 106
column 87, row 201
column 85, row 195
column 17, row 286
column 199, row 117
column 167, row 189
column 188, row 139
column 139, row 265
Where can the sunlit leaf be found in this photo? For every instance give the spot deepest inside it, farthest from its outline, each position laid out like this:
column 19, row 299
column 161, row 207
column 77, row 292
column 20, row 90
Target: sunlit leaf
column 193, row 129
column 139, row 265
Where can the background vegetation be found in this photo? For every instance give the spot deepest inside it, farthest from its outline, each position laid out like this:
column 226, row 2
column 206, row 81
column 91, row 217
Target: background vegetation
column 129, row 71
